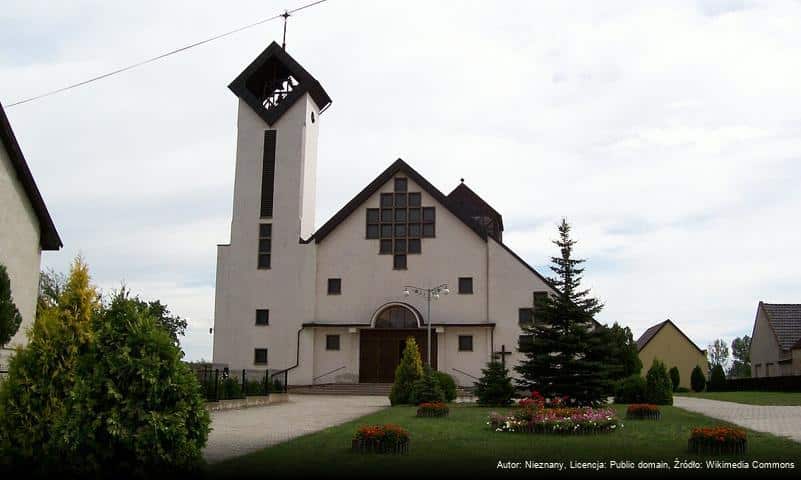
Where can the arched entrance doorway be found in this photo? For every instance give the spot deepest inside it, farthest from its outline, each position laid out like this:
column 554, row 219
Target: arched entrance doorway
column 381, row 346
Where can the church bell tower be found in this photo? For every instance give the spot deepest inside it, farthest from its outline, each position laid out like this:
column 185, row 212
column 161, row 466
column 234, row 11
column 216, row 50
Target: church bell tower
column 268, row 269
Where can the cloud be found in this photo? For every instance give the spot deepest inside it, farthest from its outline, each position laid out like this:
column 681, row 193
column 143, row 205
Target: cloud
column 669, row 135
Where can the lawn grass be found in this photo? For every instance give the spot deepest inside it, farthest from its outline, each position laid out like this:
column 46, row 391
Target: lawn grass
column 750, row 398
column 463, row 443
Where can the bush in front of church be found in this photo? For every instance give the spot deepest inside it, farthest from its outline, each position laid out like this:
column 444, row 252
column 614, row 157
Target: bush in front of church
column 427, row 389
column 447, row 384
column 630, row 390
column 697, row 379
column 409, row 371
column 658, row 387
column 495, row 386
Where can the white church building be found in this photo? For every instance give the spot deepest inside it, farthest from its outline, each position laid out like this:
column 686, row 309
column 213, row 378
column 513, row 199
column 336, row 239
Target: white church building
column 330, row 304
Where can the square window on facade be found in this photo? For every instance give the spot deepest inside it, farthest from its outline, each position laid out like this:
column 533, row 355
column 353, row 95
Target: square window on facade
column 400, row 184
column 414, row 230
column 265, row 230
column 264, row 260
column 465, row 343
column 386, row 200
column 414, row 245
column 400, row 215
column 372, row 231
column 428, row 230
column 386, row 231
column 334, row 286
column 262, row 317
column 260, row 356
column 400, row 230
column 414, row 199
column 400, row 246
column 524, row 316
column 372, row 215
column 332, row 342
column 385, row 247
column 428, row 214
column 386, row 215
column 400, row 200
column 414, row 214
column 466, row 285
column 399, row 262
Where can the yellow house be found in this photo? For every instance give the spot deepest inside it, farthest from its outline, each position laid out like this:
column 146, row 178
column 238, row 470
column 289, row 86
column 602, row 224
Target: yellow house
column 665, row 342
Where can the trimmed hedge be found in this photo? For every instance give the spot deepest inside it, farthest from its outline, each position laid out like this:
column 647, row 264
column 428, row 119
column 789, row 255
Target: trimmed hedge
column 765, row 384
column 630, row 390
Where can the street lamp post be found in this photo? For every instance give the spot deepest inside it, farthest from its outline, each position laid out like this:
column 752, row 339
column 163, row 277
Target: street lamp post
column 428, row 294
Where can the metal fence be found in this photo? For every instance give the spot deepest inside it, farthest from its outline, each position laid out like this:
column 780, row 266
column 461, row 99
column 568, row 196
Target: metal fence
column 225, row 384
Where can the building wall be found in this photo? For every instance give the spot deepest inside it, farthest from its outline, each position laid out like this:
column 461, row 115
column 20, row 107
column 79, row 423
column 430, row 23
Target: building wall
column 672, row 348
column 765, row 351
column 286, row 288
column 19, row 249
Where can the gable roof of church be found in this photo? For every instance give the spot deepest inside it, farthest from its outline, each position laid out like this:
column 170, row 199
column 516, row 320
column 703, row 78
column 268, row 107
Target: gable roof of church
column 649, row 334
column 400, row 166
column 785, row 321
column 48, row 236
column 275, row 62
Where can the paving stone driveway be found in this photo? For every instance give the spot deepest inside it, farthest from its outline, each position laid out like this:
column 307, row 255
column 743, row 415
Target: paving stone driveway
column 782, row 421
column 237, row 432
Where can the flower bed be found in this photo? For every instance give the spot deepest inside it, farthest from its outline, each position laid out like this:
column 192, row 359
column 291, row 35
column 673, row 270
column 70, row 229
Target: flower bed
column 388, row 438
column 557, row 420
column 718, row 441
column 643, row 411
column 432, row 409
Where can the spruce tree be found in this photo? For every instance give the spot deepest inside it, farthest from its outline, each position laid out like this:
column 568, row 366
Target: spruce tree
column 10, row 319
column 697, row 379
column 494, row 387
column 566, row 351
column 409, row 371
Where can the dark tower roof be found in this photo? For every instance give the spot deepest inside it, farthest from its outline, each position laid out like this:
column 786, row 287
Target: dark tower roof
column 470, row 205
column 273, row 82
column 48, row 236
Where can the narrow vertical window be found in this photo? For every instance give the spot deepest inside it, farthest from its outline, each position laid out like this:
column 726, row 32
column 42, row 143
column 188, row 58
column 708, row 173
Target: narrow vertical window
column 268, row 174
column 265, row 245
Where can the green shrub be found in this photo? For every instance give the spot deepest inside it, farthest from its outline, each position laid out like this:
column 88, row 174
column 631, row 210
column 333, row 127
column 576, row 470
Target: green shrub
column 697, row 379
column 494, row 387
column 630, row 390
column 658, row 388
column 447, row 384
column 277, row 386
column 135, row 409
column 255, row 387
column 675, row 377
column 682, row 390
column 717, row 379
column 10, row 319
column 409, row 371
column 426, row 389
column 230, row 388
column 42, row 375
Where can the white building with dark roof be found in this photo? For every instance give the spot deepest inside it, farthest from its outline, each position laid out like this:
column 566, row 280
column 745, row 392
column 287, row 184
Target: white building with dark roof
column 25, row 230
column 776, row 340
column 329, row 303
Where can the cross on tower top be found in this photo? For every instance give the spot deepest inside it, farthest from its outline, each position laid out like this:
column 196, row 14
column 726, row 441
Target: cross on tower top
column 286, row 17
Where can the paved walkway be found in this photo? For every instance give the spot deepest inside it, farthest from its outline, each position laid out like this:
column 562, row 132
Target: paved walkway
column 237, row 432
column 782, row 421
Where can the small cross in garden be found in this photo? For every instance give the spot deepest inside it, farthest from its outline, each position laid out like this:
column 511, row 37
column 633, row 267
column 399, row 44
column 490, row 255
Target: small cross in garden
column 503, row 353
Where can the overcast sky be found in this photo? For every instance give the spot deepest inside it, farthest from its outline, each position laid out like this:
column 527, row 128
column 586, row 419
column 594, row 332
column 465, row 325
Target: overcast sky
column 670, row 137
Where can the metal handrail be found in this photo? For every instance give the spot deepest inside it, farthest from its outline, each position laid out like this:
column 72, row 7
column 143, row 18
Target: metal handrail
column 327, row 373
column 464, row 373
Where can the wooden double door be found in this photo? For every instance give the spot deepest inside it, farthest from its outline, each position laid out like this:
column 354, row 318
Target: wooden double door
column 380, row 352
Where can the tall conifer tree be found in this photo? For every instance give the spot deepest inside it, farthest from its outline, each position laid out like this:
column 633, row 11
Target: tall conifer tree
column 564, row 348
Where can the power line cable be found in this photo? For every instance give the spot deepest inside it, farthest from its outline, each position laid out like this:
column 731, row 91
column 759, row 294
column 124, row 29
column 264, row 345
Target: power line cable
column 164, row 55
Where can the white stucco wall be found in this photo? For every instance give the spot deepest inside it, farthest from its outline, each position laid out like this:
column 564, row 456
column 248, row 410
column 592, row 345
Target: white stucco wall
column 19, row 249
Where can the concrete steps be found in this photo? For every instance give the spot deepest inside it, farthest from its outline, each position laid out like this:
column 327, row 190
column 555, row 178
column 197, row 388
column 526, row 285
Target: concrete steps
column 377, row 389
